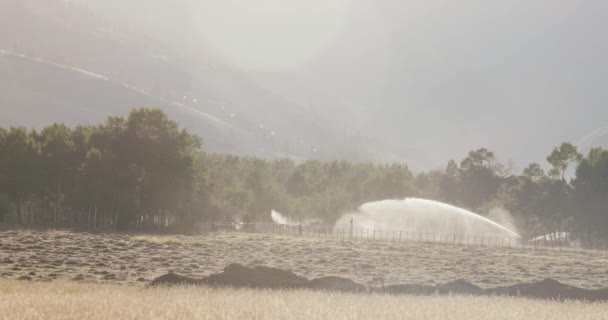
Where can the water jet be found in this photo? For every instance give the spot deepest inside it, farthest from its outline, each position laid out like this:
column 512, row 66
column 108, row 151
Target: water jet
column 421, row 215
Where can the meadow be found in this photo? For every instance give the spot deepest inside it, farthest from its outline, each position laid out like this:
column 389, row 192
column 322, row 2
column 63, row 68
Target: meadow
column 41, row 255
column 70, row 300
column 78, row 275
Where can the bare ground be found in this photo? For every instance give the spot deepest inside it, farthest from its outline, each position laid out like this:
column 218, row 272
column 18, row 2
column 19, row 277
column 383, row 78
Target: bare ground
column 128, row 259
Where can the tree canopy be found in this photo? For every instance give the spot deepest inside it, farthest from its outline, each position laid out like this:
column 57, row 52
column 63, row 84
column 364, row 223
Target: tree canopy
column 144, row 172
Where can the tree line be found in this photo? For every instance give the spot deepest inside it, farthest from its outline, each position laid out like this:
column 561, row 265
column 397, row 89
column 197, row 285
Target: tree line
column 145, row 172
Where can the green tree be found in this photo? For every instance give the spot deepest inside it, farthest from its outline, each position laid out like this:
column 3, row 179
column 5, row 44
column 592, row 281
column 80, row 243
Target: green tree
column 389, row 182
column 591, row 194
column 162, row 158
column 58, row 165
column 449, row 183
column 479, row 181
column 534, row 172
column 19, row 163
column 478, row 158
column 562, row 157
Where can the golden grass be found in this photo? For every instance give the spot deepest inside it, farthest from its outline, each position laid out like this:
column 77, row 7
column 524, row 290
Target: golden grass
column 64, row 300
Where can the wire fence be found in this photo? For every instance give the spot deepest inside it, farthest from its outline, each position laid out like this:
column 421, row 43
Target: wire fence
column 354, row 233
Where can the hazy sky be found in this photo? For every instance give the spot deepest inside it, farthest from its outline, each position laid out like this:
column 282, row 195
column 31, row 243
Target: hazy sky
column 441, row 77
column 429, row 79
column 270, row 33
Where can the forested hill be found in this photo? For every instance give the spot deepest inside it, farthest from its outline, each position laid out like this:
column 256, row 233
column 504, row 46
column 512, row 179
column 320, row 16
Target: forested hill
column 144, row 170
column 64, row 63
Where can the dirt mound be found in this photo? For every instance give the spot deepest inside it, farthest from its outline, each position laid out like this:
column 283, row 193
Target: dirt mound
column 239, row 276
column 336, row 284
column 551, row 289
column 236, row 275
column 459, row 286
column 280, row 273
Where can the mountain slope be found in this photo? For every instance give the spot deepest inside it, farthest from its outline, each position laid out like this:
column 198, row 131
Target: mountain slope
column 232, row 112
column 417, row 81
column 36, row 93
column 439, row 78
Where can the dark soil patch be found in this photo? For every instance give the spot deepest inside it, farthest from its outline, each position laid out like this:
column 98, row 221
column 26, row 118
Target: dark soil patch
column 551, row 289
column 237, row 275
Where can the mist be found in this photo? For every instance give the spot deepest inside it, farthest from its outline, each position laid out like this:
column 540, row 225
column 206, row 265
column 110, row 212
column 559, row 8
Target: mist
column 472, row 70
column 303, row 156
column 409, row 81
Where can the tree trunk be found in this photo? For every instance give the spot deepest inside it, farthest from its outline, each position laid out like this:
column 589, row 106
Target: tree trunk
column 95, row 219
column 60, row 204
column 89, row 218
column 20, row 215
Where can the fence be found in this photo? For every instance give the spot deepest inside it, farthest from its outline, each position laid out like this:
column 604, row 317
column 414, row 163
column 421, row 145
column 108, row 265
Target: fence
column 353, row 233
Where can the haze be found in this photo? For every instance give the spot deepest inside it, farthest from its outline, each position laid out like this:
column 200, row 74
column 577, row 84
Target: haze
column 413, row 81
column 303, row 159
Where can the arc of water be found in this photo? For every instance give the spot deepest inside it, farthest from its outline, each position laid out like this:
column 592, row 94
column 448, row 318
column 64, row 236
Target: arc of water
column 469, row 213
column 368, row 211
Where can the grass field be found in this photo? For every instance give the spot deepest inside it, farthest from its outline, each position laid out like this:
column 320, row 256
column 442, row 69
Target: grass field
column 77, row 275
column 129, row 259
column 69, row 300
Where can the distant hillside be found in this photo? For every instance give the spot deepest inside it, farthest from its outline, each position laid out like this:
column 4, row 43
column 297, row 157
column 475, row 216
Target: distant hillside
column 416, row 81
column 37, row 93
column 233, row 113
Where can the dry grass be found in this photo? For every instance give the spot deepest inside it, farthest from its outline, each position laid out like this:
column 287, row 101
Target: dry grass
column 68, row 300
column 176, row 240
column 91, row 276
column 128, row 259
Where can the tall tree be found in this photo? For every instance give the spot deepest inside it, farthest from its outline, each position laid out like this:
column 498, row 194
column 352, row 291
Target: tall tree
column 534, row 172
column 58, row 163
column 19, row 160
column 562, row 157
column 591, row 193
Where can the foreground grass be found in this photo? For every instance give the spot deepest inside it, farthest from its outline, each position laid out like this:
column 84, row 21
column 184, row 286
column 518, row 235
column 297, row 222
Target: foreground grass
column 68, row 300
